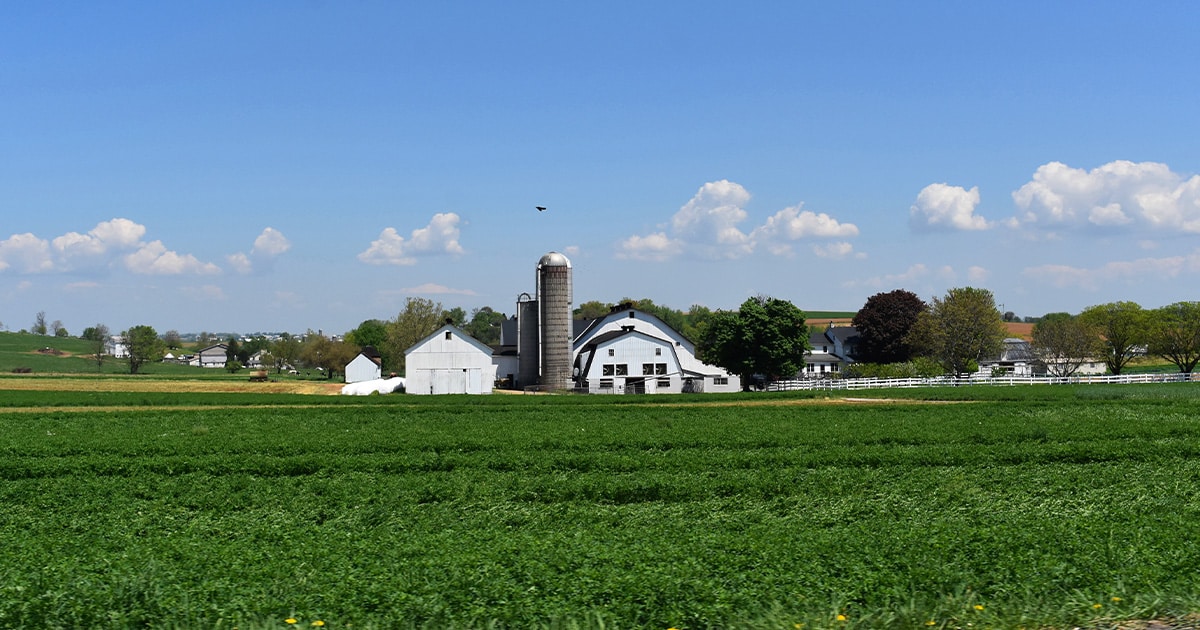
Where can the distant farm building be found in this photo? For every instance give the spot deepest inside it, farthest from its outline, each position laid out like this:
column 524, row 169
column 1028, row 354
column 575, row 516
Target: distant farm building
column 367, row 365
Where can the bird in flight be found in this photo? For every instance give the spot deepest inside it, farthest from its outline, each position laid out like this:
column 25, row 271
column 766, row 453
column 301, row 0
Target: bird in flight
column 540, row 208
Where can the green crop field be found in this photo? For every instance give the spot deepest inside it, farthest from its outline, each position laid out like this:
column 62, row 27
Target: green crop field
column 1039, row 507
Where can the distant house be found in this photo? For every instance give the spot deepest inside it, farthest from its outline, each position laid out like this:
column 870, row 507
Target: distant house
column 449, row 361
column 213, row 356
column 832, row 350
column 1016, row 358
column 115, row 347
column 632, row 351
column 367, row 365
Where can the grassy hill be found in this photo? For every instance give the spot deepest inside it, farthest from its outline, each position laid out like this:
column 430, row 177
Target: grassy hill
column 42, row 354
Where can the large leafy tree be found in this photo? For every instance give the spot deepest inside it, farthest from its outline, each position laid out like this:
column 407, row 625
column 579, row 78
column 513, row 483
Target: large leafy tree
column 373, row 333
column 285, row 351
column 331, row 356
column 883, row 324
column 766, row 337
column 1064, row 343
column 143, row 345
column 960, row 329
column 98, row 337
column 485, row 325
column 1124, row 327
column 419, row 318
column 1175, row 334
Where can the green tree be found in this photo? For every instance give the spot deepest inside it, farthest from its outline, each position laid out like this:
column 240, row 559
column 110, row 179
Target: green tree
column 960, row 329
column 172, row 339
column 485, row 325
column 39, row 323
column 1175, row 334
column 419, row 318
column 330, row 356
column 371, row 332
column 766, row 337
column 883, row 324
column 592, row 309
column 285, row 351
column 98, row 336
column 1124, row 327
column 143, row 345
column 1064, row 343
column 457, row 316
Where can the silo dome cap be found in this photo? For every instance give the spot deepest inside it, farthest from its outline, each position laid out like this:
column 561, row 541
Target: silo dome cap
column 554, row 259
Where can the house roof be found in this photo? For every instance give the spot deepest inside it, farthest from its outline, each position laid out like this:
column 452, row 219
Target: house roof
column 482, row 347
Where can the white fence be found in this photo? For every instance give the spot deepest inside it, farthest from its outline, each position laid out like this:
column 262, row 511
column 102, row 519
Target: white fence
column 850, row 384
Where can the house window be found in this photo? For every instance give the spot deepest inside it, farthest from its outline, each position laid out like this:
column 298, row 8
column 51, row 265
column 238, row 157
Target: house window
column 834, row 367
column 660, row 368
column 607, row 369
column 647, row 369
column 612, row 352
column 622, row 369
column 720, row 380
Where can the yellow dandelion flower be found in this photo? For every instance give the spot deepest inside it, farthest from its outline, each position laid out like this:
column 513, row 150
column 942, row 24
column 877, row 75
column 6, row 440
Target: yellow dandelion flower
column 318, row 623
column 1116, row 599
column 1097, row 606
column 291, row 621
column 841, row 617
column 797, row 626
column 931, row 623
column 979, row 607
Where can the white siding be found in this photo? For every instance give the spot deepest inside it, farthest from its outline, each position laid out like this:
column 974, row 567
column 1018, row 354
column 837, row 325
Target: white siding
column 362, row 368
column 449, row 362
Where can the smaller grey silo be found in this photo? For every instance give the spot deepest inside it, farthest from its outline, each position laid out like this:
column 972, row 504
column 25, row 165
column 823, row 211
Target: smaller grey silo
column 528, row 336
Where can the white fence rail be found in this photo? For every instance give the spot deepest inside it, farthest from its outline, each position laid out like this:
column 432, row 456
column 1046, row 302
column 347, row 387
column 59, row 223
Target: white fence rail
column 851, row 384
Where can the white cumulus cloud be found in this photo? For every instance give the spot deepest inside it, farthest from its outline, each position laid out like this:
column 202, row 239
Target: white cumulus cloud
column 1132, row 195
column 438, row 238
column 27, row 253
column 268, row 245
column 708, row 226
column 154, row 258
column 946, row 207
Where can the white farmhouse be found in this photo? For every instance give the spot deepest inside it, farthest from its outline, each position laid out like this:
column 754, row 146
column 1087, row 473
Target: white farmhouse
column 831, row 351
column 367, row 365
column 449, row 361
column 631, row 351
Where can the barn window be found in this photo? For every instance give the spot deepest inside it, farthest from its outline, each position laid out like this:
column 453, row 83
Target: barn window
column 612, row 352
column 660, row 368
column 658, row 352
column 447, row 335
column 664, row 382
column 720, row 380
column 630, row 314
column 607, row 370
column 622, row 369
column 647, row 369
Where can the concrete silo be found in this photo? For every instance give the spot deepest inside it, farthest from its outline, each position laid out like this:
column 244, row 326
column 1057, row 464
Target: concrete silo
column 554, row 320
column 528, row 337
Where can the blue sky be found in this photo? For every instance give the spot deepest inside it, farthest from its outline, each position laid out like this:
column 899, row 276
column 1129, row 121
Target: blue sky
column 243, row 166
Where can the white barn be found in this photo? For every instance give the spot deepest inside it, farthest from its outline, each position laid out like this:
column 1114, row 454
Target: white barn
column 631, row 351
column 449, row 361
column 213, row 356
column 367, row 365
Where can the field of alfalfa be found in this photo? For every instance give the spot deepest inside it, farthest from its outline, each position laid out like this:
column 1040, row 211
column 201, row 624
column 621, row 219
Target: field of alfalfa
column 1010, row 507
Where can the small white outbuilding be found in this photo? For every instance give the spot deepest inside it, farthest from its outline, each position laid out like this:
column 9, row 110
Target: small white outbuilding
column 367, row 365
column 449, row 361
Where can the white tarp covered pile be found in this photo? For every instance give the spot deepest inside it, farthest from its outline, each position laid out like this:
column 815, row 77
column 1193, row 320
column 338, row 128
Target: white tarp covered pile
column 376, row 386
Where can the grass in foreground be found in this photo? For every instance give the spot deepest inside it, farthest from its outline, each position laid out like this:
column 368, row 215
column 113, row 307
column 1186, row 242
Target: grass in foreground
column 1052, row 510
